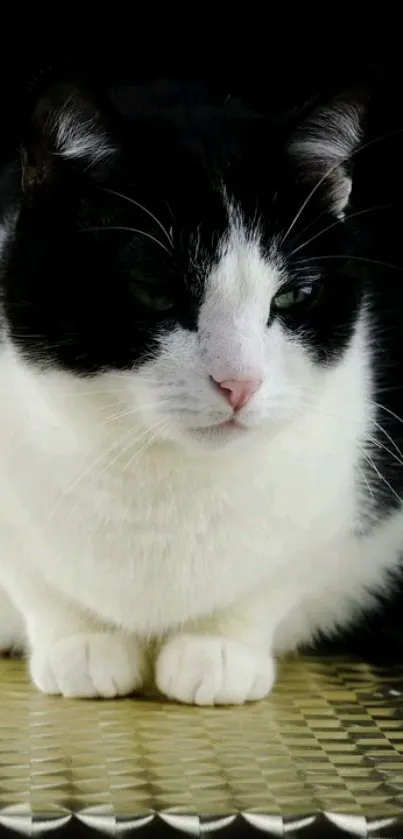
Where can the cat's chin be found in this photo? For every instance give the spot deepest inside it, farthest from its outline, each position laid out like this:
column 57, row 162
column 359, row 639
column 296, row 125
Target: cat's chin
column 218, row 435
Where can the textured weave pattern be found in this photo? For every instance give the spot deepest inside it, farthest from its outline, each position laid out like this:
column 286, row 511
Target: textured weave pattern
column 323, row 756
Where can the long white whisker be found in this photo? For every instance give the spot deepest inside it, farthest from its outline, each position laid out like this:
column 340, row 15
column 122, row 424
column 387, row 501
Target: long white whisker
column 129, row 230
column 360, row 149
column 381, row 477
column 366, row 481
column 380, row 445
column 397, row 457
column 388, row 411
column 122, row 378
column 169, row 208
column 141, row 207
column 159, row 427
column 375, row 140
column 388, row 436
column 307, row 200
column 130, row 412
column 107, row 392
column 347, row 257
column 120, row 453
column 339, row 221
column 88, row 470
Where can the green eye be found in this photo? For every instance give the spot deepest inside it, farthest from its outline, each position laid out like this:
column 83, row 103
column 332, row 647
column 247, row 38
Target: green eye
column 155, row 302
column 292, row 298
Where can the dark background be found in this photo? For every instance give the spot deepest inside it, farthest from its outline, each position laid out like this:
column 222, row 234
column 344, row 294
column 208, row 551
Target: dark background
column 268, row 63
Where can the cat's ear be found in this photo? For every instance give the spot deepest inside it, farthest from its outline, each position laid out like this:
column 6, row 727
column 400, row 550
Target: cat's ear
column 66, row 129
column 325, row 144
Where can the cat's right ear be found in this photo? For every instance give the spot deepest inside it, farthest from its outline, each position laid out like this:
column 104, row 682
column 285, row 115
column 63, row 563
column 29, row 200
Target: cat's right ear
column 66, row 131
column 325, row 144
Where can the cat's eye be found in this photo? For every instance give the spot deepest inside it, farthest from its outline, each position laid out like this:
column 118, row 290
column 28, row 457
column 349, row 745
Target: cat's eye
column 294, row 297
column 155, row 302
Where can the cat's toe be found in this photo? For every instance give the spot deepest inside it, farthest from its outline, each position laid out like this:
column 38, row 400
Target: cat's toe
column 213, row 671
column 90, row 665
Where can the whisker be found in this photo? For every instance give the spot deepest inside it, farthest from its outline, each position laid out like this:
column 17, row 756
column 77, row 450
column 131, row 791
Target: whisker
column 314, row 221
column 330, row 171
column 366, row 481
column 398, row 458
column 129, row 412
column 122, row 375
column 373, row 465
column 388, row 436
column 121, row 452
column 312, row 391
column 347, row 257
column 158, row 426
column 307, row 200
column 109, row 463
column 339, row 221
column 169, row 208
column 382, row 477
column 128, row 230
column 90, row 468
column 380, row 445
column 388, row 411
column 375, row 140
column 108, row 392
column 141, row 207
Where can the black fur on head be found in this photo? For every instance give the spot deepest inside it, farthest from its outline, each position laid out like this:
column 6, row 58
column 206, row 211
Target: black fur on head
column 124, row 200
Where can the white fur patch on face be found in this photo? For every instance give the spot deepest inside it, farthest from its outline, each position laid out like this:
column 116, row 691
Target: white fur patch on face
column 236, row 308
column 81, row 138
column 174, row 393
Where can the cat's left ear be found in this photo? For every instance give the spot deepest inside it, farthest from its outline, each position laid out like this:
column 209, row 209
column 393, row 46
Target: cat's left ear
column 67, row 131
column 325, row 145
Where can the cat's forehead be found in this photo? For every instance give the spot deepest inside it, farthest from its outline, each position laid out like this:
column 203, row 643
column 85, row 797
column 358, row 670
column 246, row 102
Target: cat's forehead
column 245, row 274
column 239, row 270
column 202, row 202
column 189, row 146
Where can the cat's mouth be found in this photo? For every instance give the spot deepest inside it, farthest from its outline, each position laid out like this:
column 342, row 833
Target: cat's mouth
column 231, row 423
column 218, row 430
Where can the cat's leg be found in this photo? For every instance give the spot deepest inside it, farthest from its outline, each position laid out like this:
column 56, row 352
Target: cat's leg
column 72, row 652
column 224, row 660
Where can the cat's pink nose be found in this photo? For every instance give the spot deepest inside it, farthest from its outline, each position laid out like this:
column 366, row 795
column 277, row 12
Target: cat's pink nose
column 238, row 392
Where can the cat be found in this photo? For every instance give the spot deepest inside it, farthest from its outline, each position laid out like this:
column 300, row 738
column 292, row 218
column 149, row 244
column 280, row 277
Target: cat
column 200, row 462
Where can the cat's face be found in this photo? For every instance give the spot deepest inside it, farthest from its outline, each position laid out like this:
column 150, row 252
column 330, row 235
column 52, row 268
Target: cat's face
column 190, row 246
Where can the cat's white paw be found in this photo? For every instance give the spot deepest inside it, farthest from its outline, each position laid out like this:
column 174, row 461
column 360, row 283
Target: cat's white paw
column 205, row 670
column 90, row 665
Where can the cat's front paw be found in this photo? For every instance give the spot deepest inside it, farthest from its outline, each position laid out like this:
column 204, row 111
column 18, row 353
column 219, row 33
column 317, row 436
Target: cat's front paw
column 90, row 665
column 205, row 670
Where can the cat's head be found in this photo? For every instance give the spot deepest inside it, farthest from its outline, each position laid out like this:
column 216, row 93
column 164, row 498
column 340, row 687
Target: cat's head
column 191, row 246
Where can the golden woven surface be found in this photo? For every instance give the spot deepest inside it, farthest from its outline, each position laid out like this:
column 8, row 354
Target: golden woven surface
column 323, row 756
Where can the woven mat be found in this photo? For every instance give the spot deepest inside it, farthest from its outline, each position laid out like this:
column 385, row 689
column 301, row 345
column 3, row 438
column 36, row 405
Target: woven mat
column 323, row 756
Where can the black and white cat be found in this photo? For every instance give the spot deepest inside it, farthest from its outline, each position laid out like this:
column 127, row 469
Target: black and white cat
column 200, row 461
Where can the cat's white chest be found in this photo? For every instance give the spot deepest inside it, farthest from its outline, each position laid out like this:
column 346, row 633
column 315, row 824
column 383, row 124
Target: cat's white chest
column 174, row 537
column 163, row 545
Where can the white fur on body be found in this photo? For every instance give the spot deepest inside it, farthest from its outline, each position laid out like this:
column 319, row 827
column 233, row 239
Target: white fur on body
column 134, row 545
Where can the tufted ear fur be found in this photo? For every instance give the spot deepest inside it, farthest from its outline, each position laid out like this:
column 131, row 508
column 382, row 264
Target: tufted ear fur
column 66, row 128
column 325, row 144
